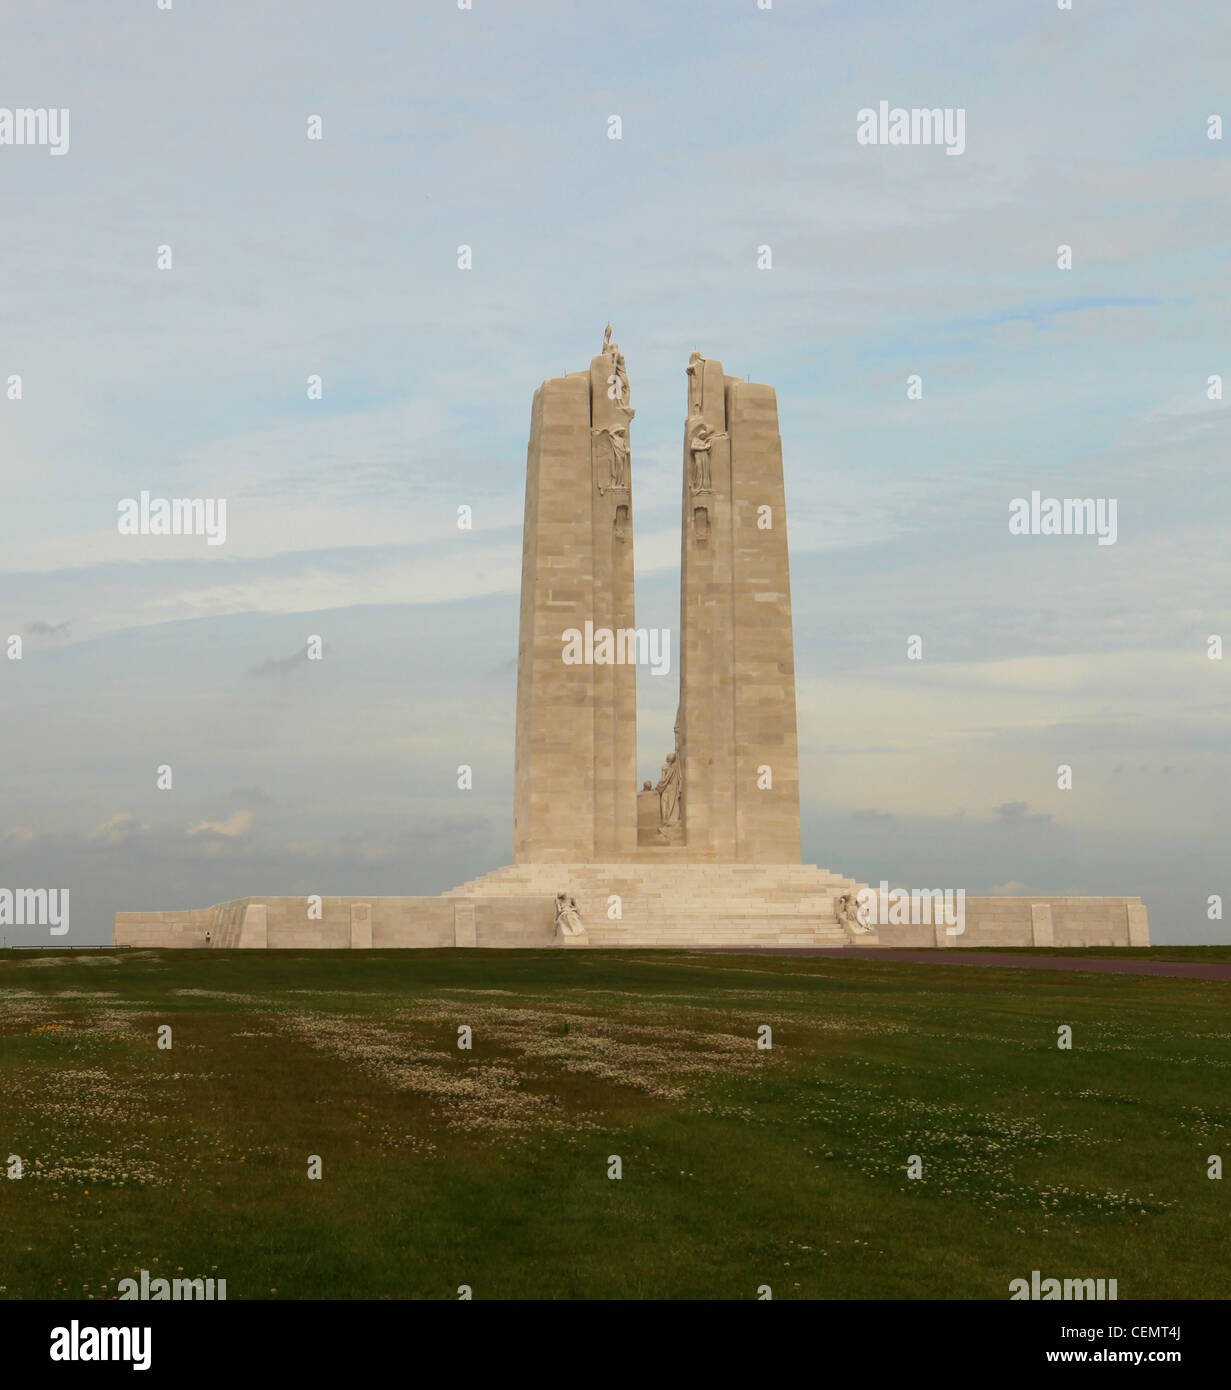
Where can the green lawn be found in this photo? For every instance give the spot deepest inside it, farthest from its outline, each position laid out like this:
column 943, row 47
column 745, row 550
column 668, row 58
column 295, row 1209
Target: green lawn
column 489, row 1167
column 1212, row 955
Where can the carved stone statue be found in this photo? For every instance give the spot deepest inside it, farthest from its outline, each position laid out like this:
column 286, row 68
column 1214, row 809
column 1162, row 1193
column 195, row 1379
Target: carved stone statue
column 616, row 448
column 699, row 446
column 696, row 375
column 619, row 457
column 670, row 785
column 850, row 914
column 568, row 918
column 617, row 380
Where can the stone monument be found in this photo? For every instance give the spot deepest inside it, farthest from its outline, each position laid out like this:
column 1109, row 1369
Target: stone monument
column 710, row 855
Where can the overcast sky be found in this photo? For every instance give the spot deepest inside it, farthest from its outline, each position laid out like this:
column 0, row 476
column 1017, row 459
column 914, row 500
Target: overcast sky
column 489, row 128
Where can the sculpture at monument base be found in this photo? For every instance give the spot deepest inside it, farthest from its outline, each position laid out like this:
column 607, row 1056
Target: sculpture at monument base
column 568, row 919
column 850, row 915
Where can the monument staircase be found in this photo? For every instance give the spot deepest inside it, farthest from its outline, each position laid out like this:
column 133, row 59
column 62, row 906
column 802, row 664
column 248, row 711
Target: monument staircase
column 687, row 903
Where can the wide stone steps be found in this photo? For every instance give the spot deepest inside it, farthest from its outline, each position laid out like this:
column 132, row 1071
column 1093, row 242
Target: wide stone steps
column 710, row 879
column 751, row 933
column 685, row 903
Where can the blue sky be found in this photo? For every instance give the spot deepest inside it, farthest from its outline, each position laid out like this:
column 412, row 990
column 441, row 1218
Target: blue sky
column 489, row 128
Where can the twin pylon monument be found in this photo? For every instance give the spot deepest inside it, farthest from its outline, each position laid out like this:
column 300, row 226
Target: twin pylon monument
column 710, row 856
column 730, row 789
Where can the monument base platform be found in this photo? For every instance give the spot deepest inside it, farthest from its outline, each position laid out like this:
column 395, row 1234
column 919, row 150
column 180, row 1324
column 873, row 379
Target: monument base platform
column 681, row 903
column 669, row 904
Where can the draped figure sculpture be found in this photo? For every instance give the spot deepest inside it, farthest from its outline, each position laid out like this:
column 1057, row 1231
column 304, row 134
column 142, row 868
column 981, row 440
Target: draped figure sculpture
column 670, row 785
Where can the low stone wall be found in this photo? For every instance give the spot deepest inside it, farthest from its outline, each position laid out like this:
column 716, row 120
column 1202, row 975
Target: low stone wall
column 346, row 924
column 529, row 921
column 524, row 922
column 1034, row 921
column 184, row 928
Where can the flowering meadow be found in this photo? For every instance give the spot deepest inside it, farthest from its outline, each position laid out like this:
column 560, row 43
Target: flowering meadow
column 544, row 1124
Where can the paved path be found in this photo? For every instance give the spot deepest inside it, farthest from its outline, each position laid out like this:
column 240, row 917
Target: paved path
column 1099, row 965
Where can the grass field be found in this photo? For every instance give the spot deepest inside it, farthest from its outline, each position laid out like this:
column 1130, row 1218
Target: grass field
column 741, row 1166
